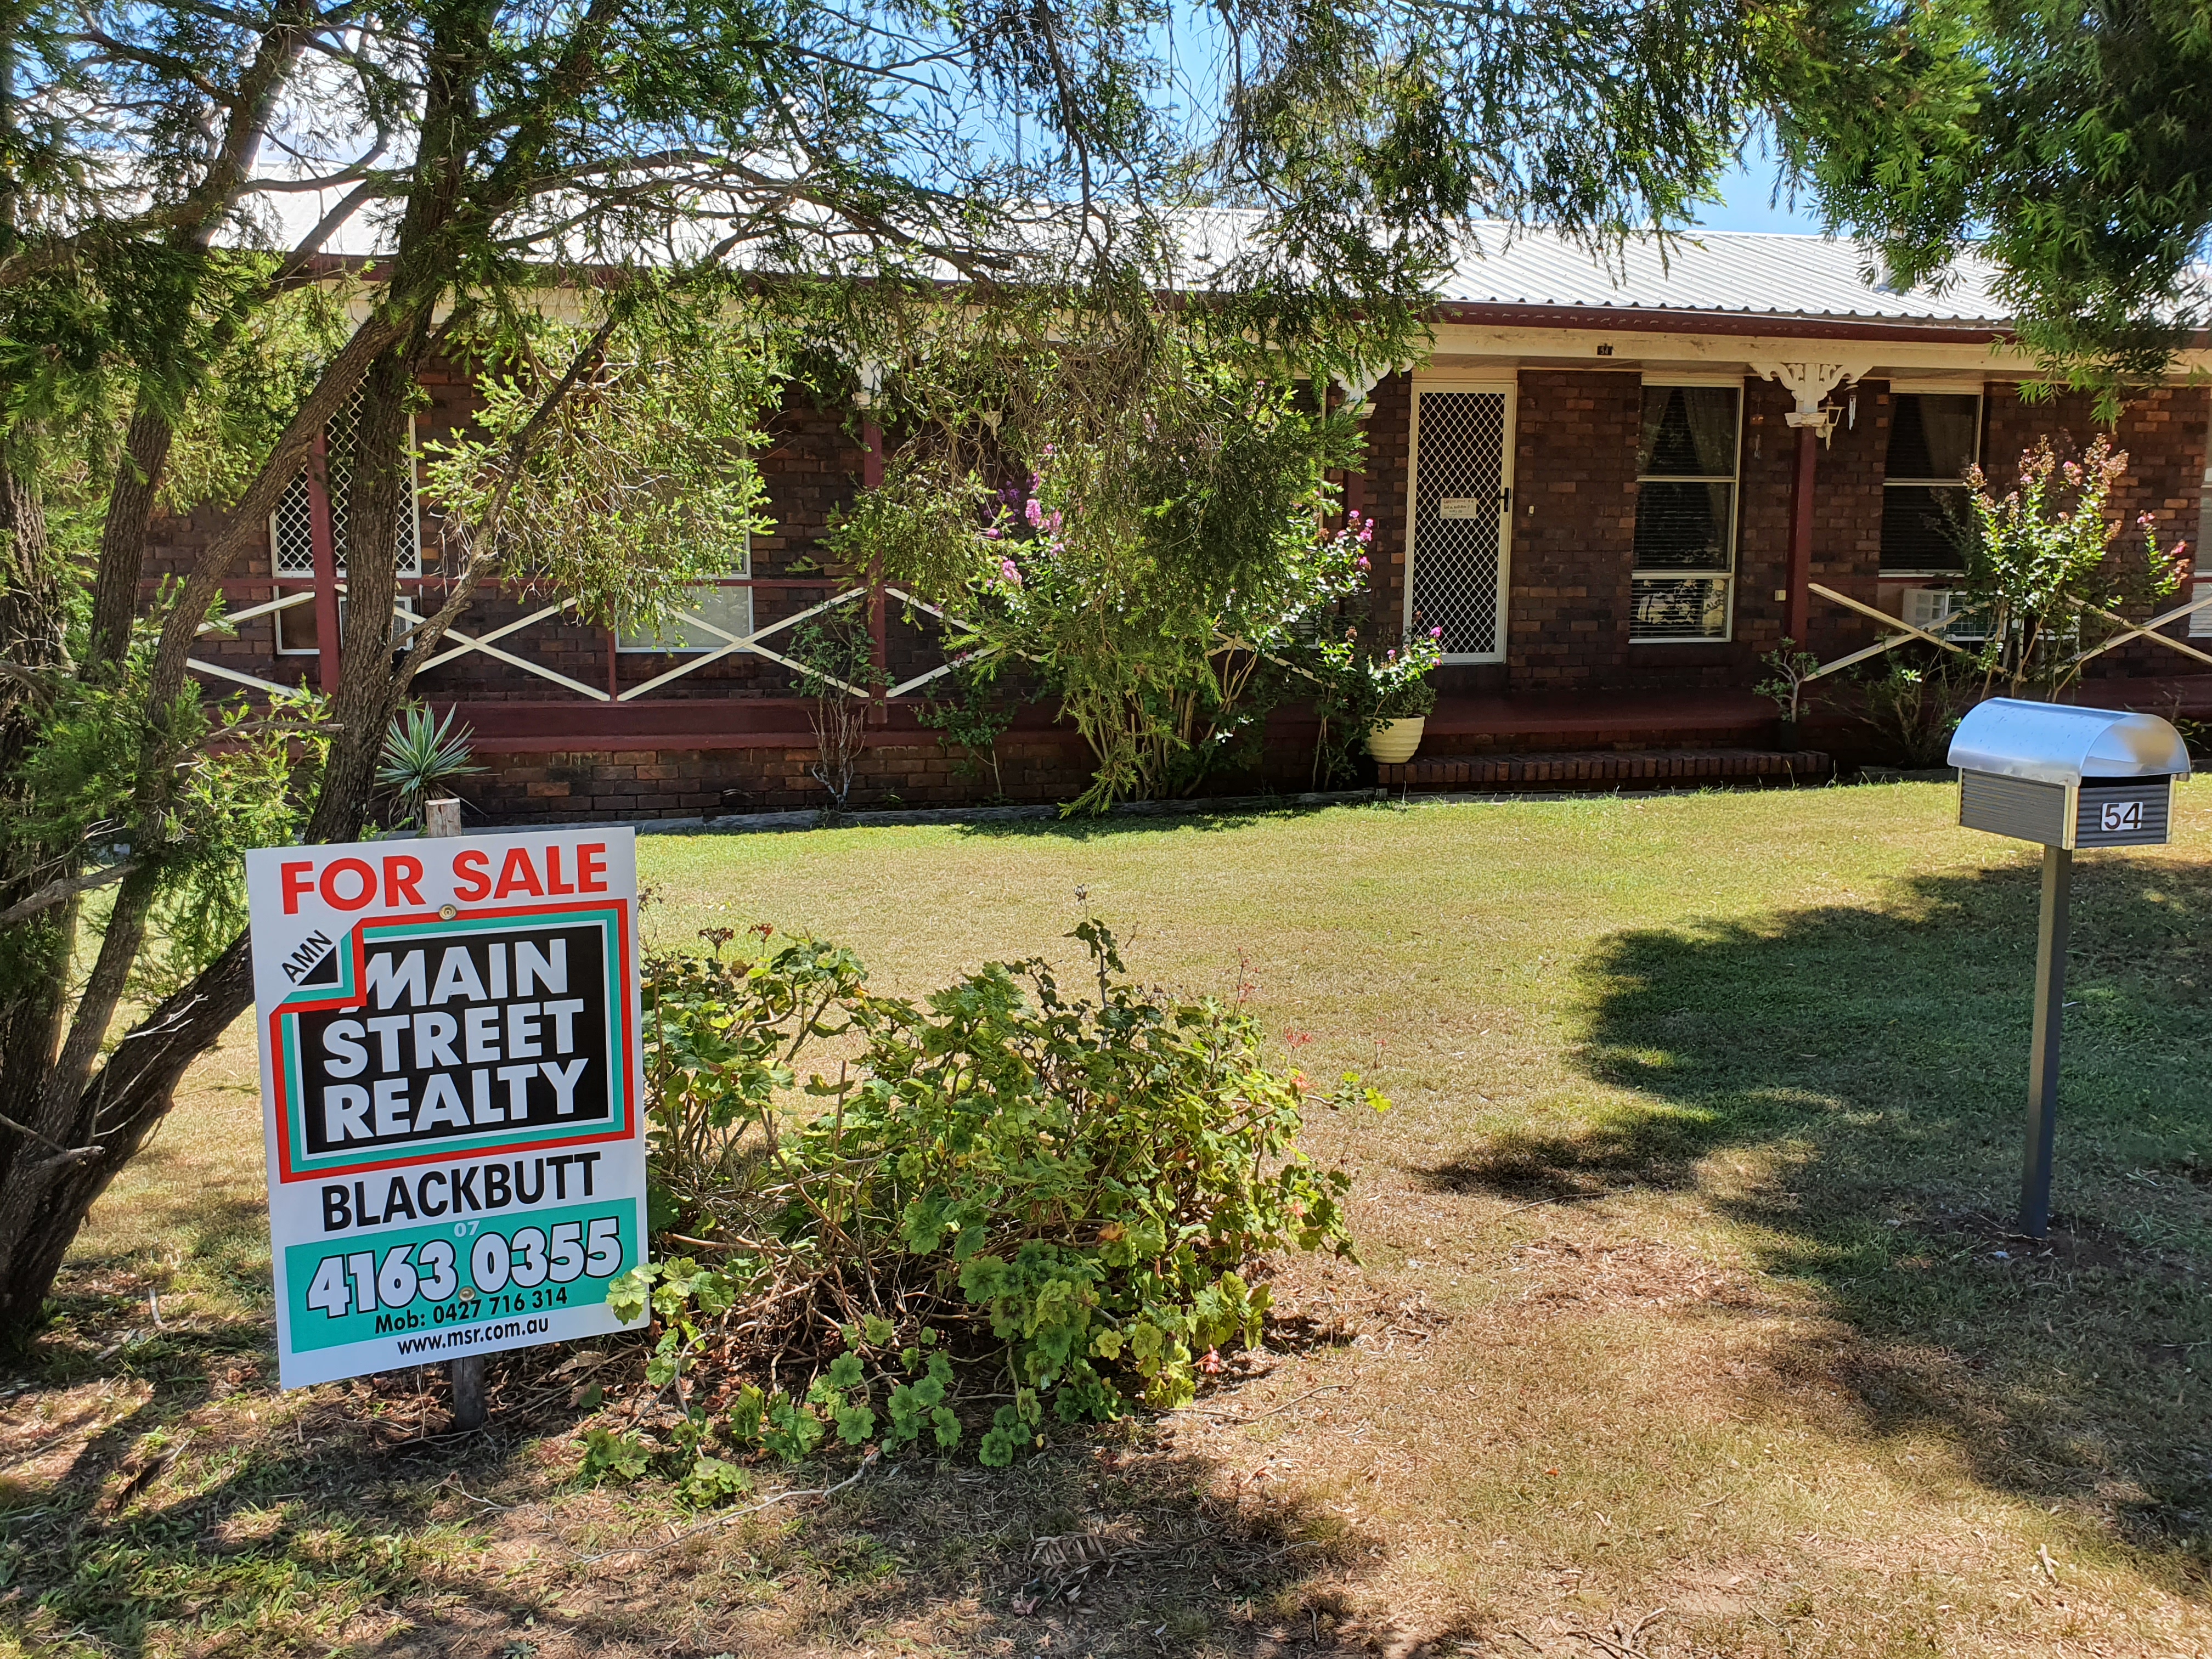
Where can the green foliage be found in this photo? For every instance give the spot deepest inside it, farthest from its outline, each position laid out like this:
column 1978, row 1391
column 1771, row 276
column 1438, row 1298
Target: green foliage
column 1787, row 670
column 1157, row 565
column 1916, row 706
column 973, row 709
column 1003, row 1189
column 226, row 777
column 1360, row 687
column 2071, row 146
column 421, row 753
column 644, row 483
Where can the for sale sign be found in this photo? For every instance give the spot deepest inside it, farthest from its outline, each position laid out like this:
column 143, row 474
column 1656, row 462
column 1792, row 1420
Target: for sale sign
column 451, row 1091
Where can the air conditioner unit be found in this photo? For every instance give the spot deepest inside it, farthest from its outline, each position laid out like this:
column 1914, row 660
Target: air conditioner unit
column 2200, row 622
column 1941, row 611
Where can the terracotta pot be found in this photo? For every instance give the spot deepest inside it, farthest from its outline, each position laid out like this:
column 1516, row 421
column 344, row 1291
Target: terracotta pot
column 1393, row 742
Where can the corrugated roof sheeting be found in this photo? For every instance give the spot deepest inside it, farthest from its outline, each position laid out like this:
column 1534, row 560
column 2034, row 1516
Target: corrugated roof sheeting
column 1728, row 271
column 1732, row 273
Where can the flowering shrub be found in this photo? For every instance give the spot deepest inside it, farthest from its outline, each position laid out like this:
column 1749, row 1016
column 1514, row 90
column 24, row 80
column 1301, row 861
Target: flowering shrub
column 2041, row 565
column 1360, row 689
column 1007, row 1192
column 1157, row 563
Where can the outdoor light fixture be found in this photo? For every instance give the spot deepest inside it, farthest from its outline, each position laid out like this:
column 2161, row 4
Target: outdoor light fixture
column 2065, row 777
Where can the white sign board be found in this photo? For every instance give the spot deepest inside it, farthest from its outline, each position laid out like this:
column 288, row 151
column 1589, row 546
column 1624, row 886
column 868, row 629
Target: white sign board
column 452, row 1093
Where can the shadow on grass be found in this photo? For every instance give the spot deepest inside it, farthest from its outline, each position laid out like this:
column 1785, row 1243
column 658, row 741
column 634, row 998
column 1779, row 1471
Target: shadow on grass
column 211, row 1515
column 1849, row 1083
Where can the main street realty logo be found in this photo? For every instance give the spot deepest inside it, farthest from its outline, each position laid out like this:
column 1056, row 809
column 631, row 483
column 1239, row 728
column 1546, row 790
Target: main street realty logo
column 442, row 1037
column 433, row 1035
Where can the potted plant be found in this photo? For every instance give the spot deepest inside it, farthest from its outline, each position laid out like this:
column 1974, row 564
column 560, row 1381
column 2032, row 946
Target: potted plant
column 1403, row 696
column 1383, row 700
column 1792, row 669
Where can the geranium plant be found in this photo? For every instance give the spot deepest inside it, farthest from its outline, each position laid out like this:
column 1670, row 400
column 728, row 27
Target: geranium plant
column 1005, row 1204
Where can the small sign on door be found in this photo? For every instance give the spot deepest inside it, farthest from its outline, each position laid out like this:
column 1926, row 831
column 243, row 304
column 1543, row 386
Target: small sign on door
column 1467, row 506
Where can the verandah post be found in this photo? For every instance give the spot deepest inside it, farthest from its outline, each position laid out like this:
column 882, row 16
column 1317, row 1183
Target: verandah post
column 872, row 478
column 321, row 540
column 1799, row 625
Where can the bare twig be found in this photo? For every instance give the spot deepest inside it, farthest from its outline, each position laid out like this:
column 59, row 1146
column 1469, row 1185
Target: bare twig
column 1272, row 1410
column 1563, row 1198
column 721, row 1521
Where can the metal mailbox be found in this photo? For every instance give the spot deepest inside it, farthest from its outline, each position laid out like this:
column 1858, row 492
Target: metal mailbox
column 2067, row 778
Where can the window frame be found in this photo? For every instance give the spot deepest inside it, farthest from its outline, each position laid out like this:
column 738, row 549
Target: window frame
column 1980, row 395
column 308, row 478
column 1734, row 483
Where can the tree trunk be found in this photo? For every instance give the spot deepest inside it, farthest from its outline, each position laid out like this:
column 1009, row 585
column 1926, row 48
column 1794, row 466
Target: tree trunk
column 121, row 1108
column 123, row 534
column 34, row 967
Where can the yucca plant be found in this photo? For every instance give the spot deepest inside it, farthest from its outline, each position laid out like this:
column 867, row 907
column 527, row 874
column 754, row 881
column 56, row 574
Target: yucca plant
column 420, row 753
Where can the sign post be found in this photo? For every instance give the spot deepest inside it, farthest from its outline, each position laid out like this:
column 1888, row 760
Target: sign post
column 452, row 1094
column 2065, row 777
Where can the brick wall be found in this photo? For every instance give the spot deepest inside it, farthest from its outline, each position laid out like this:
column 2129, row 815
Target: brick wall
column 903, row 770
column 1382, row 489
column 1574, row 528
column 1847, row 501
column 1765, row 491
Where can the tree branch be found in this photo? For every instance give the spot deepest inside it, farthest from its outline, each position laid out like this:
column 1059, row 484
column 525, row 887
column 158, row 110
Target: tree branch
column 63, row 888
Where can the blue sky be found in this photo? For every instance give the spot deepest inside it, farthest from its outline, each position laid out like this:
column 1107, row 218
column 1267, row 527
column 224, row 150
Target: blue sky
column 1747, row 208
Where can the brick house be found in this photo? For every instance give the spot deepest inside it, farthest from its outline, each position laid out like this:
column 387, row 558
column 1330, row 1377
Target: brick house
column 1614, row 488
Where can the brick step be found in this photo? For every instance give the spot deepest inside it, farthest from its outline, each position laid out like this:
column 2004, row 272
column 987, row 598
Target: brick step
column 1609, row 769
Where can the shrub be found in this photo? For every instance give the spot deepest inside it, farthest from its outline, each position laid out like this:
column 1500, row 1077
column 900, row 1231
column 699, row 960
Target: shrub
column 1002, row 1195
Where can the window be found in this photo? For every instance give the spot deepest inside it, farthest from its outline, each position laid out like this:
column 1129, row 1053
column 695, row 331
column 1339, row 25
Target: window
column 291, row 527
column 1685, row 474
column 729, row 609
column 1934, row 438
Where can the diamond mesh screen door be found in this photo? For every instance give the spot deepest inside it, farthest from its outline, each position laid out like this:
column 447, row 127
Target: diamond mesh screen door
column 1461, row 440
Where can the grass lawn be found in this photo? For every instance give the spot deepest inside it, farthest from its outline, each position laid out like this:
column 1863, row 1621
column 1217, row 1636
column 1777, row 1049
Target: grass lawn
column 1687, row 1324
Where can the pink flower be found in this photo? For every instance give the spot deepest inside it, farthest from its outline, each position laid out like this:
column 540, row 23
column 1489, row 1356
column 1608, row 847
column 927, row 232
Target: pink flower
column 1010, row 573
column 1436, row 633
column 992, row 534
column 1362, row 561
column 1367, row 531
column 1034, row 514
column 1052, row 524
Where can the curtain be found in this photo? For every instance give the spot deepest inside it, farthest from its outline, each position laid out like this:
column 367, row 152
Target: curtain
column 1689, row 431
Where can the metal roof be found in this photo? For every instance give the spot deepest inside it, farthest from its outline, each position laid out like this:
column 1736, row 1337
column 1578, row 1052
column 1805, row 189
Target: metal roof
column 1732, row 274
column 1724, row 273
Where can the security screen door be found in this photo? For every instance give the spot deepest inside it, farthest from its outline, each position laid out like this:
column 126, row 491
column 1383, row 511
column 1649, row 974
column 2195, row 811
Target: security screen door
column 1462, row 473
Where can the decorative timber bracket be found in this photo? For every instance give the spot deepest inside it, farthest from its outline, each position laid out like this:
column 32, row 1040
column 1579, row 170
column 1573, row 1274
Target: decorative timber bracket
column 1809, row 382
column 1359, row 385
column 871, row 371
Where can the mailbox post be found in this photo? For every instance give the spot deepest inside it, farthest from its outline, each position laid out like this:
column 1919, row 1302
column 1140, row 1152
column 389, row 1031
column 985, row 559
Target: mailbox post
column 2066, row 778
